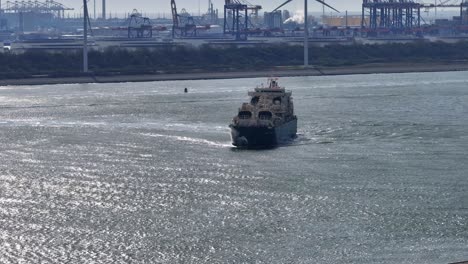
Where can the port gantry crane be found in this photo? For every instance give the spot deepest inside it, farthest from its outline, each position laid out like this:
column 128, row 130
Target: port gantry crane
column 390, row 15
column 139, row 26
column 445, row 3
column 462, row 4
column 48, row 6
column 403, row 16
column 234, row 12
column 183, row 24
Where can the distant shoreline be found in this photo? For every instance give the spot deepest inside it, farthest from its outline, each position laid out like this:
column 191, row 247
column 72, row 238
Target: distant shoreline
column 373, row 68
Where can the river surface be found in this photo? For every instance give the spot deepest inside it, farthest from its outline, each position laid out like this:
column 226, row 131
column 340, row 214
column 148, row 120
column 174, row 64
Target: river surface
column 143, row 173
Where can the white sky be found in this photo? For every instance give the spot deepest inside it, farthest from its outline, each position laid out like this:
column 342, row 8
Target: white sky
column 163, row 6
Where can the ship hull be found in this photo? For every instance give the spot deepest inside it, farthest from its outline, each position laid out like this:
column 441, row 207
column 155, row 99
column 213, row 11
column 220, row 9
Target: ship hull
column 257, row 137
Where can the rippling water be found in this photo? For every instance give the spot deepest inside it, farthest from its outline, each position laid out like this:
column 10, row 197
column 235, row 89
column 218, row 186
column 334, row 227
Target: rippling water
column 143, row 173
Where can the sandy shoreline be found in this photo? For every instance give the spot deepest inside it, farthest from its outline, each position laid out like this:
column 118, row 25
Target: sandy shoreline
column 278, row 72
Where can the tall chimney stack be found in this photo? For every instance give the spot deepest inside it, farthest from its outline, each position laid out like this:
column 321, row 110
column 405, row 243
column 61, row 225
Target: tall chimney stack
column 103, row 9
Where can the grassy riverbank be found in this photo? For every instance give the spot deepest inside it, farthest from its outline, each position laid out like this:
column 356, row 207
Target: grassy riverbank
column 277, row 72
column 207, row 62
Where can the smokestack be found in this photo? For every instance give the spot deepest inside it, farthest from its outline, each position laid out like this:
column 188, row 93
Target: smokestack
column 103, row 9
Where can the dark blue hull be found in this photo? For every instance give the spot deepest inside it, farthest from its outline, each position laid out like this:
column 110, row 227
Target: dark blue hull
column 253, row 136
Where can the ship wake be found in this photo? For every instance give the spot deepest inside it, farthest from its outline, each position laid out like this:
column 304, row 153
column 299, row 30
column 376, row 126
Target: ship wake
column 190, row 140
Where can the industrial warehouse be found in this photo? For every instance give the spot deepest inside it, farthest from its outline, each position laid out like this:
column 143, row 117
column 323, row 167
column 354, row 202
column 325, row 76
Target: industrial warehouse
column 50, row 25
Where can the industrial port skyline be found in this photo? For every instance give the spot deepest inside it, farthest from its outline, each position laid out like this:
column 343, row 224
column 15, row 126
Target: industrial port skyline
column 162, row 8
column 194, row 6
column 23, row 22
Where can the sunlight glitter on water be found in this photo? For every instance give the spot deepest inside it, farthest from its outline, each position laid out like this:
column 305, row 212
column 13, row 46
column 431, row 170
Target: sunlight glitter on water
column 125, row 173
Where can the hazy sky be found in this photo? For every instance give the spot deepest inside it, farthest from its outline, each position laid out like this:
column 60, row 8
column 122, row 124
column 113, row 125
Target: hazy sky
column 163, row 6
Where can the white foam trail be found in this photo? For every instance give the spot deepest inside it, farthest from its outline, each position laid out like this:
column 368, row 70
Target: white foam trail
column 199, row 141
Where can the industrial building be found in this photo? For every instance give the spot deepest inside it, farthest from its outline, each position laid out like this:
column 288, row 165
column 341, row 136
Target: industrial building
column 273, row 20
column 343, row 21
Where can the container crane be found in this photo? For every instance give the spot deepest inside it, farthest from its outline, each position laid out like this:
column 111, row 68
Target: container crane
column 183, row 23
column 139, row 26
column 462, row 4
column 234, row 12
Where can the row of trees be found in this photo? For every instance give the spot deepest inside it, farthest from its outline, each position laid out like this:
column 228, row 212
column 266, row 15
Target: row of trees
column 183, row 59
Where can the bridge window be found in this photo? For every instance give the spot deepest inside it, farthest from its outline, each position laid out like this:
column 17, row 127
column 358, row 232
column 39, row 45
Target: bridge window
column 265, row 115
column 245, row 115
